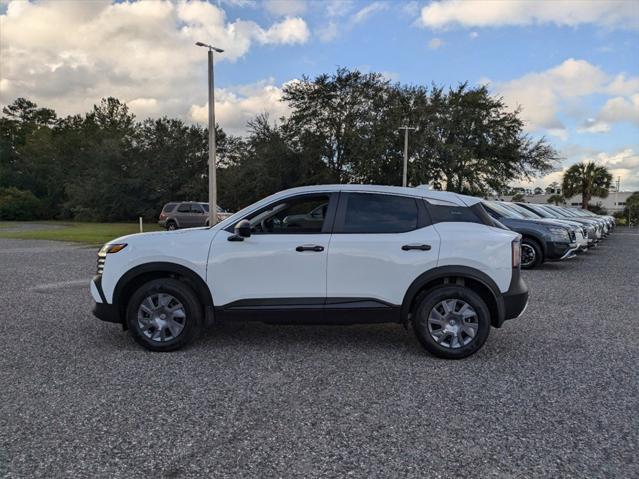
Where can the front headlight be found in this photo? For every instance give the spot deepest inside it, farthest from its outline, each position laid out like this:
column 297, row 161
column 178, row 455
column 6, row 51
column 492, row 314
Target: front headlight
column 111, row 248
column 558, row 234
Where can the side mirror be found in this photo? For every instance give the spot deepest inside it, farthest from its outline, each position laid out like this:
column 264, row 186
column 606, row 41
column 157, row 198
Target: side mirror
column 242, row 230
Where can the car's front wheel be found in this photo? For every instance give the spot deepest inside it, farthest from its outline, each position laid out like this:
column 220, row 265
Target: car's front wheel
column 164, row 315
column 531, row 254
column 451, row 322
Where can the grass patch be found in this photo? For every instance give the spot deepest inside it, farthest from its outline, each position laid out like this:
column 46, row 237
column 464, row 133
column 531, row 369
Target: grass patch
column 89, row 233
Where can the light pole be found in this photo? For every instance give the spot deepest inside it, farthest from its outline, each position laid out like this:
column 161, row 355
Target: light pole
column 405, row 176
column 212, row 167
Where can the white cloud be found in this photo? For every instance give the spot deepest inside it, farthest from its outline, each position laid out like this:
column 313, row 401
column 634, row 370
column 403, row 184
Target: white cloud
column 285, row 7
column 289, row 31
column 542, row 95
column 495, row 13
column 623, row 163
column 141, row 52
column 328, row 32
column 615, row 110
column 234, row 107
column 473, row 35
column 435, row 43
column 366, row 12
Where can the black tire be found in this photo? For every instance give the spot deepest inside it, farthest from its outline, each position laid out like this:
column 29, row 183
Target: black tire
column 534, row 249
column 429, row 300
column 192, row 321
column 171, row 225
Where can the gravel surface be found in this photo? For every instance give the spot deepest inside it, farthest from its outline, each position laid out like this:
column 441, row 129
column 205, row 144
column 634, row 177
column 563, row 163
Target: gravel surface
column 553, row 394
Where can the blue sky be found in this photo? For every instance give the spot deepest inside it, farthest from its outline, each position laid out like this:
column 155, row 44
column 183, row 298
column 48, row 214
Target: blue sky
column 572, row 66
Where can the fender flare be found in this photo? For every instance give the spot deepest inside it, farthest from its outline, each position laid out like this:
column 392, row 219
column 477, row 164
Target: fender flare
column 201, row 288
column 538, row 238
column 458, row 272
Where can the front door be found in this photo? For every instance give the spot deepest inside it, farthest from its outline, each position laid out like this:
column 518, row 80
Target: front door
column 280, row 269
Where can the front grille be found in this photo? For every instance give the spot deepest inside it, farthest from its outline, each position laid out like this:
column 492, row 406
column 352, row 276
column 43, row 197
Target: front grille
column 101, row 260
column 571, row 235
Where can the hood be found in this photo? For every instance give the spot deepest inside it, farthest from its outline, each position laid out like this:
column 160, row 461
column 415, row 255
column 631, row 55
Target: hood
column 160, row 235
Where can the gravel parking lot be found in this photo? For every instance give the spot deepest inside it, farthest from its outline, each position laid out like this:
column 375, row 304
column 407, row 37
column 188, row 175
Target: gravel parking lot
column 553, row 394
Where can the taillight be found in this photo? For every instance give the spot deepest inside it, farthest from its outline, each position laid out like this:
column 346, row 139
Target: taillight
column 516, row 245
column 162, row 216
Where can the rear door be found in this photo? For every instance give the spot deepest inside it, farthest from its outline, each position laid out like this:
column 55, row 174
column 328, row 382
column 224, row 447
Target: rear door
column 199, row 216
column 380, row 244
column 183, row 215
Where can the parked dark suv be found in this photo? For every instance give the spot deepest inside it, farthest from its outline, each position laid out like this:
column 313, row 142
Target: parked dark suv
column 541, row 240
column 188, row 214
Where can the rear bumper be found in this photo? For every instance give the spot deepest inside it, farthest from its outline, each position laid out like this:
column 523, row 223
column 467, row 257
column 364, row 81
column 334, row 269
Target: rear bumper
column 516, row 298
column 162, row 223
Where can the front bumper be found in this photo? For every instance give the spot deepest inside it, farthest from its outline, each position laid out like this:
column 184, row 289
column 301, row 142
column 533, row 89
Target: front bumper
column 107, row 312
column 559, row 251
column 101, row 309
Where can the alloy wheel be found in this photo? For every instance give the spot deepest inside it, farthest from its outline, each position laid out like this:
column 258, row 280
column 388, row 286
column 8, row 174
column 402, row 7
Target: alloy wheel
column 161, row 317
column 453, row 323
column 528, row 255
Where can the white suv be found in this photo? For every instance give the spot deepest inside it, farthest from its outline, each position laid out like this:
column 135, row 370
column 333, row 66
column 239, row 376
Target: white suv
column 329, row 254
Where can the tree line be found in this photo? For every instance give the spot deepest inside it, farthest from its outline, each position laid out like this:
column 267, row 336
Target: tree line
column 342, row 128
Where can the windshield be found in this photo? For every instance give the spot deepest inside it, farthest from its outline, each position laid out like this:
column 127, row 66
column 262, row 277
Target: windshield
column 522, row 211
column 541, row 211
column 502, row 210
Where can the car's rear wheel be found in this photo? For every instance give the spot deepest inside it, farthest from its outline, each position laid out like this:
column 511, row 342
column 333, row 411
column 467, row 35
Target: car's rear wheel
column 171, row 225
column 164, row 315
column 451, row 322
column 531, row 254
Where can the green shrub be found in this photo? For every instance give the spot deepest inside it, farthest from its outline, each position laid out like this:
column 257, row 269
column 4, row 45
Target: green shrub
column 19, row 205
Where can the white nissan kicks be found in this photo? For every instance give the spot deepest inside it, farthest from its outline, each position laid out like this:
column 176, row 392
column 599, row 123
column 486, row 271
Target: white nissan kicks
column 330, row 254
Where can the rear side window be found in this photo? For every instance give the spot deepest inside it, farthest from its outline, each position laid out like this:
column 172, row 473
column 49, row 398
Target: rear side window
column 169, row 207
column 440, row 213
column 196, row 209
column 374, row 213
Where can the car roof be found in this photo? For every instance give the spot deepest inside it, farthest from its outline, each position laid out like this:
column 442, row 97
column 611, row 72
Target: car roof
column 418, row 192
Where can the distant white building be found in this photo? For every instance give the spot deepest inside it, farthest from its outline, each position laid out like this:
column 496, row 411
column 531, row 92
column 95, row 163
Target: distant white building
column 616, row 201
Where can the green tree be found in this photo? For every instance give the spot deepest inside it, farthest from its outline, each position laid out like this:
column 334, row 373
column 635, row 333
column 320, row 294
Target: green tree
column 631, row 211
column 556, row 200
column 586, row 179
column 342, row 120
column 474, row 144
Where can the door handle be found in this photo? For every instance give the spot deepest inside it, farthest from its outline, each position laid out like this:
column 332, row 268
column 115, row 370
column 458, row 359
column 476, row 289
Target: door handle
column 420, row 247
column 310, row 247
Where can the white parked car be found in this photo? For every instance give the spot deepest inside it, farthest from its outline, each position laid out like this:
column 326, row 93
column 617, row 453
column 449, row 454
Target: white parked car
column 330, row 254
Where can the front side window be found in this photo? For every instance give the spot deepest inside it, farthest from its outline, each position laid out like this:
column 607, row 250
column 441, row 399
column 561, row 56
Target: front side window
column 196, row 209
column 376, row 213
column 303, row 215
column 184, row 208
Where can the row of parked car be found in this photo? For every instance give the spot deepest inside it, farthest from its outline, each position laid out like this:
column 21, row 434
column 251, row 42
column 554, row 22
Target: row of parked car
column 550, row 233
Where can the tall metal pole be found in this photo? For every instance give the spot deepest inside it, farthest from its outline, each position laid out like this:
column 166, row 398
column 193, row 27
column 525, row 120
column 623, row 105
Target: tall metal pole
column 212, row 166
column 405, row 176
column 405, row 173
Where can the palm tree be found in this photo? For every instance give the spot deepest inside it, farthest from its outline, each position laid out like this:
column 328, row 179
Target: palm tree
column 587, row 179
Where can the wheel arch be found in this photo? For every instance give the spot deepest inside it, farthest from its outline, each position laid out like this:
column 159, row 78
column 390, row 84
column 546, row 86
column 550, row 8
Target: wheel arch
column 537, row 239
column 471, row 278
column 135, row 277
